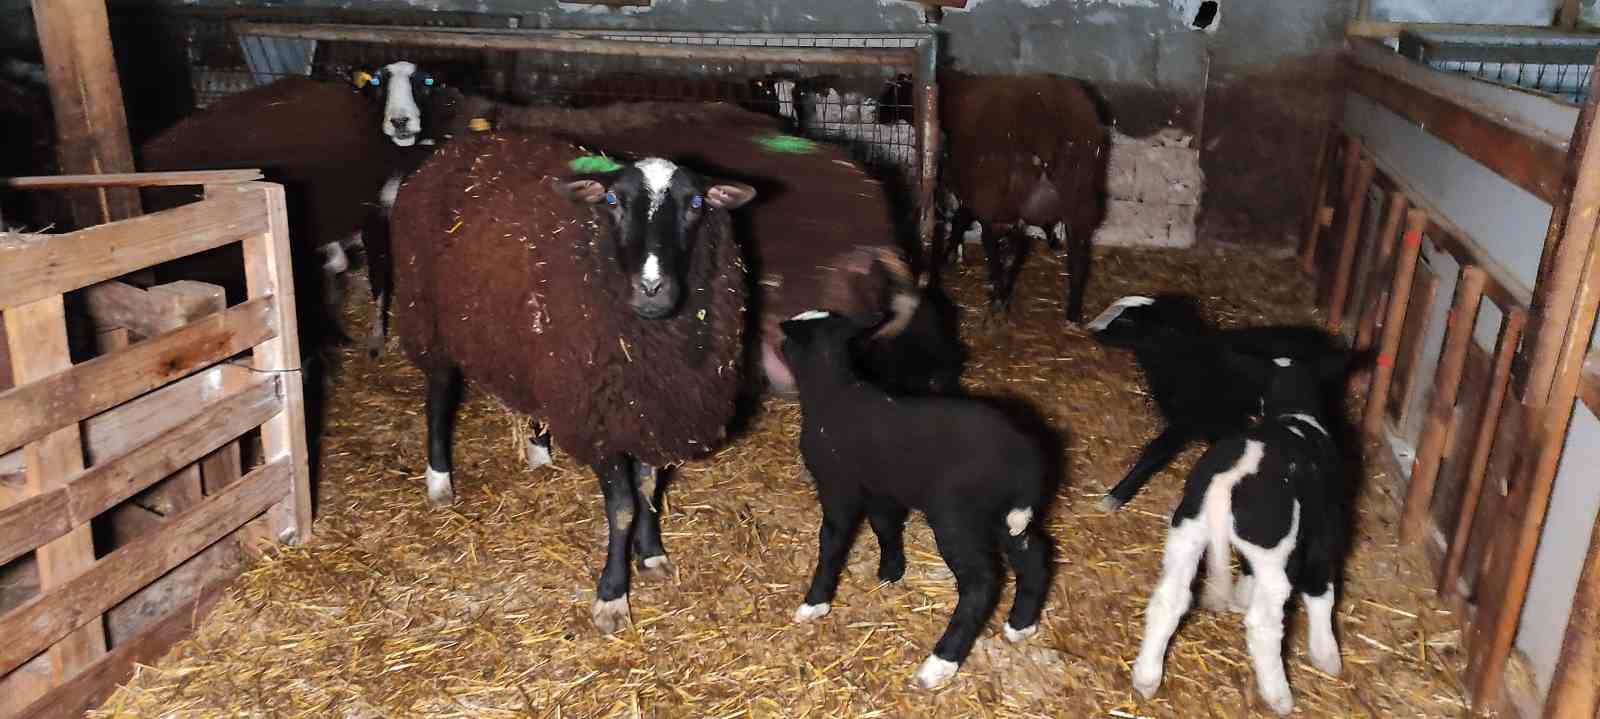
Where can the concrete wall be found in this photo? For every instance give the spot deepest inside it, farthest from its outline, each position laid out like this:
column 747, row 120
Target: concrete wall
column 1509, row 224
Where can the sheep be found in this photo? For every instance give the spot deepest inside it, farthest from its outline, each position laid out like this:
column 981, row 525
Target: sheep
column 924, row 356
column 1010, row 170
column 610, row 305
column 1199, row 391
column 1276, row 493
column 870, row 453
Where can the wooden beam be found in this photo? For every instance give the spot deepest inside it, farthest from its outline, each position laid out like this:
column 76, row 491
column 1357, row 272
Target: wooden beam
column 1446, row 386
column 37, row 333
column 1501, row 288
column 1567, row 18
column 38, row 266
column 1394, row 321
column 146, row 312
column 132, row 179
column 573, row 43
column 1526, row 161
column 1388, row 234
column 53, row 614
column 89, row 492
column 1385, row 29
column 1319, row 199
column 267, row 271
column 86, row 100
column 30, row 411
column 1589, row 389
column 96, row 683
column 1344, row 263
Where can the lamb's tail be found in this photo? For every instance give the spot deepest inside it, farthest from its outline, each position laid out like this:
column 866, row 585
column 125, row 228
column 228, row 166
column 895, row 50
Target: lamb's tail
column 1219, row 570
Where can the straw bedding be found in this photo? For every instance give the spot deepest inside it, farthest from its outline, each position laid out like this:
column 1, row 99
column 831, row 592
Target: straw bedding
column 482, row 610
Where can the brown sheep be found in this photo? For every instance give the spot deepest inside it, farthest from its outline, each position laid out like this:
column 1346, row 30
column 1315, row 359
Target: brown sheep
column 610, row 305
column 1025, row 150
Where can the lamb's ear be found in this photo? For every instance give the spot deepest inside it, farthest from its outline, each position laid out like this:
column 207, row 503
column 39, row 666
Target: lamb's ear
column 585, row 190
column 729, row 195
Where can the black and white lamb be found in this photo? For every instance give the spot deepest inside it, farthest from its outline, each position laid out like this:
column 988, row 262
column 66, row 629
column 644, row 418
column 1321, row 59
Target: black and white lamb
column 869, row 453
column 609, row 305
column 1277, row 494
column 1201, row 394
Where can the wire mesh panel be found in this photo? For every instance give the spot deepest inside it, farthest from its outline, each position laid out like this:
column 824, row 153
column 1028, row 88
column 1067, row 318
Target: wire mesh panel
column 1558, row 64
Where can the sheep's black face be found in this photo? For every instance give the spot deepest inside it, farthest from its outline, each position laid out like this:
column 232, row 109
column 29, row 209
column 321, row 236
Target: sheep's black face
column 819, row 341
column 653, row 211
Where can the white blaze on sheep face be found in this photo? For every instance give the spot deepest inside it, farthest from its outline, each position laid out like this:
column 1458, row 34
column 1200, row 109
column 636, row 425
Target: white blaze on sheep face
column 652, row 269
column 402, row 119
column 657, row 180
column 810, row 315
column 1115, row 310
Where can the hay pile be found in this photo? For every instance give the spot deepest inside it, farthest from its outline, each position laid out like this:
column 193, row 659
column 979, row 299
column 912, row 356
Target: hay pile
column 395, row 610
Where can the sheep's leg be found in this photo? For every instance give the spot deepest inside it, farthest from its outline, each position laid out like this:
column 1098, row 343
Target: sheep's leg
column 1079, row 255
column 616, row 476
column 969, row 553
column 841, row 512
column 888, row 520
column 444, row 393
column 1244, row 589
column 538, row 445
column 956, row 239
column 647, row 547
column 1264, row 633
column 1004, row 254
column 1186, row 542
column 1152, row 458
column 1324, row 646
column 1028, row 555
column 379, row 334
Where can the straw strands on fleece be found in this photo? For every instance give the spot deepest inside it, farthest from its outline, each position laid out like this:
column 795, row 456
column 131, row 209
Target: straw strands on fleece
column 482, row 610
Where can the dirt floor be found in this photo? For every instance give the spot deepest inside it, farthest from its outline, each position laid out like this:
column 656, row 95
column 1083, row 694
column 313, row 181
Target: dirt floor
column 483, row 610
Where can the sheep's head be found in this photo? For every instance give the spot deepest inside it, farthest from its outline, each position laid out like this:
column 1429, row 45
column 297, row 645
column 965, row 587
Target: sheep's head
column 819, row 341
column 401, row 87
column 1135, row 320
column 651, row 212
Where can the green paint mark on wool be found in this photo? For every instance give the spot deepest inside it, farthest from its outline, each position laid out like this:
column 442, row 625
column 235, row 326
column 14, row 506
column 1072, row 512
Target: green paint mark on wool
column 594, row 164
column 787, row 143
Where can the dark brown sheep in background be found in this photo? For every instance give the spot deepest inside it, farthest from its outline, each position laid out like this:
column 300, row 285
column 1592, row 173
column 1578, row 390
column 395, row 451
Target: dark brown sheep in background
column 1025, row 150
column 611, row 306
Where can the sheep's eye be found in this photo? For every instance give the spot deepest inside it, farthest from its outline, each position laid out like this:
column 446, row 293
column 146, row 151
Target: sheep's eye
column 428, row 81
column 696, row 201
column 611, row 198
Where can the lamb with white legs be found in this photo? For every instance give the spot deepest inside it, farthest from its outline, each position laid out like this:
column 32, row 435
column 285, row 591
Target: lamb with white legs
column 1277, row 494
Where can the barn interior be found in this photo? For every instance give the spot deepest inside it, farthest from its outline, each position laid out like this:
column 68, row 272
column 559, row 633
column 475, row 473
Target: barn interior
column 212, row 504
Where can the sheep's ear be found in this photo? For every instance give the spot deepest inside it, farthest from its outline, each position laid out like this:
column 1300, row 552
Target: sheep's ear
column 587, row 190
column 730, row 195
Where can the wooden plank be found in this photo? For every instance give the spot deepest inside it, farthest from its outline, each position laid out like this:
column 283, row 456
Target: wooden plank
column 1372, row 305
column 44, row 265
column 119, row 304
column 1385, row 29
column 1525, row 161
column 1444, row 512
column 89, row 492
column 1589, row 389
column 1567, row 17
column 1446, row 387
column 96, row 683
column 1355, row 209
column 1574, row 693
column 1409, row 353
column 132, row 179
column 31, row 410
column 1395, row 313
column 86, row 102
column 37, row 334
column 51, row 615
column 267, row 270
column 1501, row 288
column 1319, row 200
column 130, row 424
column 574, row 43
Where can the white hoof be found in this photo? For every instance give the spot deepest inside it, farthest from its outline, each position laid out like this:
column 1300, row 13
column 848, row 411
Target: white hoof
column 1146, row 680
column 1017, row 635
column 657, row 567
column 538, row 455
column 1327, row 661
column 440, row 492
column 610, row 616
column 935, row 672
column 1109, row 504
column 1282, row 704
column 1242, row 592
column 808, row 612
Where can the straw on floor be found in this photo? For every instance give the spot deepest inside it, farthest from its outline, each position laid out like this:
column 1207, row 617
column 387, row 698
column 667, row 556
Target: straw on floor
column 482, row 610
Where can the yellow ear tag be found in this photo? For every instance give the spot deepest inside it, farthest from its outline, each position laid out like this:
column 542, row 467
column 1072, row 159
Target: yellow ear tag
column 478, row 124
column 360, row 78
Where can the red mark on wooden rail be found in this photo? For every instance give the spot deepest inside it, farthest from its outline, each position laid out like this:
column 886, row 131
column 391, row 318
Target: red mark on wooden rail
column 1385, row 359
column 1412, row 238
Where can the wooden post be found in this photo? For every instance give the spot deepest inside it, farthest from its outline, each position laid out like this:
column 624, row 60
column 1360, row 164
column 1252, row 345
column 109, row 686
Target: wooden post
column 1367, row 323
column 267, row 270
column 1567, row 18
column 37, row 334
column 86, row 99
column 1574, row 693
column 1355, row 205
column 1316, row 218
column 1394, row 321
column 1505, row 348
column 1446, row 386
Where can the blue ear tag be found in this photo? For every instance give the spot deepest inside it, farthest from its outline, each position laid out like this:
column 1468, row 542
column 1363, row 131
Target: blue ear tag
column 375, row 81
column 428, row 81
column 696, row 201
column 611, row 198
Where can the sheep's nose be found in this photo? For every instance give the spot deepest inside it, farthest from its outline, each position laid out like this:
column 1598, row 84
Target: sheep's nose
column 650, row 287
column 400, row 122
